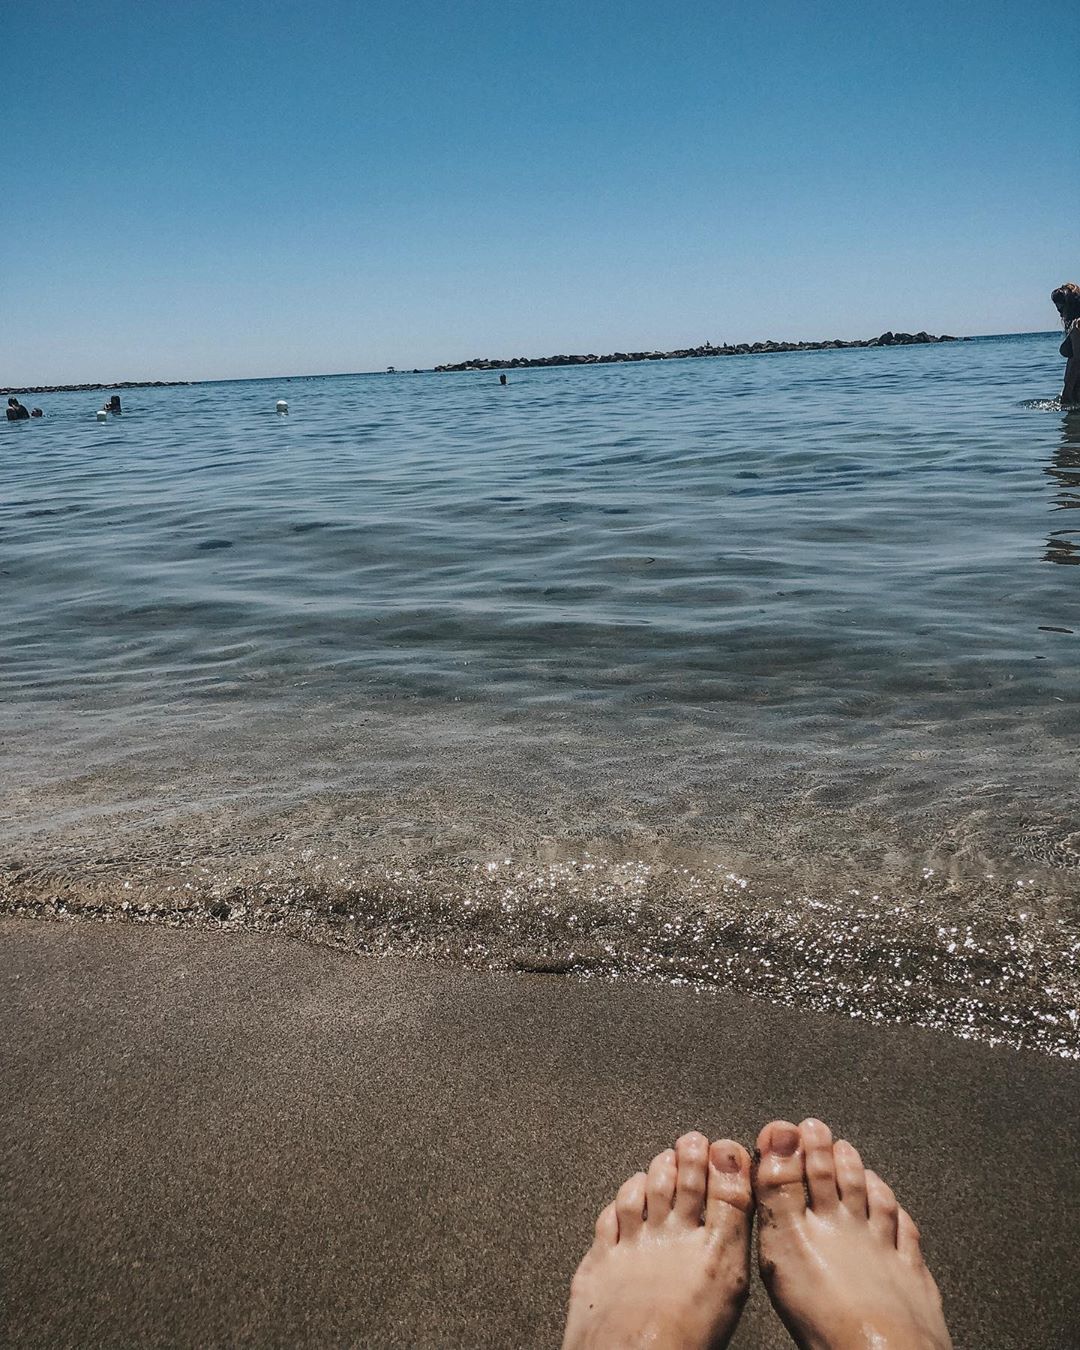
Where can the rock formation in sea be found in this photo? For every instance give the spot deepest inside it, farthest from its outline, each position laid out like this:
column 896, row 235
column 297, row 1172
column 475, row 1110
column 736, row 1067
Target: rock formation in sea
column 76, row 388
column 888, row 339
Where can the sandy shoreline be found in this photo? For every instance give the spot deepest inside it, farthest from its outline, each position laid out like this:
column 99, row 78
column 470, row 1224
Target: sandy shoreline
column 233, row 1139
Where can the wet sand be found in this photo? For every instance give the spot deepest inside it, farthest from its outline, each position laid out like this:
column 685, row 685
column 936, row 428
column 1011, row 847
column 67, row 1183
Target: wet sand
column 229, row 1139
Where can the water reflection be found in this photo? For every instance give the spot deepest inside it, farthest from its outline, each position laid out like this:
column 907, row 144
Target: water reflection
column 1063, row 545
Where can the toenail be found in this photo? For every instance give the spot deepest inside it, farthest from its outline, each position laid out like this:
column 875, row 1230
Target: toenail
column 728, row 1161
column 784, row 1141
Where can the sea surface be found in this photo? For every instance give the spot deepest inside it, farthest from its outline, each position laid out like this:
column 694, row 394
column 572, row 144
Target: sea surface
column 753, row 672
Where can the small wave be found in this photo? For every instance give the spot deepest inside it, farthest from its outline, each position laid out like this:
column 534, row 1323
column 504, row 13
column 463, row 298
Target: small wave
column 982, row 967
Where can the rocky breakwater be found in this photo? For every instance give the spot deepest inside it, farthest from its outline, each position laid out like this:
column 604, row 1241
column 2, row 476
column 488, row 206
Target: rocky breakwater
column 77, row 388
column 737, row 349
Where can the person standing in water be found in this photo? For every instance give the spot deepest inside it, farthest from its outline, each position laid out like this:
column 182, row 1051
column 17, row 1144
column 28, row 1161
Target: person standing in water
column 1067, row 301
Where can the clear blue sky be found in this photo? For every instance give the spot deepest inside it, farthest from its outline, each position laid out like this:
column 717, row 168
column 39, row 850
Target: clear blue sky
column 200, row 190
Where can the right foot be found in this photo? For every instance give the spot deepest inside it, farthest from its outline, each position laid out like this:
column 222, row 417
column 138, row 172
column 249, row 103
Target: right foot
column 839, row 1257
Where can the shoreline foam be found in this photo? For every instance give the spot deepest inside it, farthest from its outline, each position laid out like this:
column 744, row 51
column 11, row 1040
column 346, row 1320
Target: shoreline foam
column 974, row 965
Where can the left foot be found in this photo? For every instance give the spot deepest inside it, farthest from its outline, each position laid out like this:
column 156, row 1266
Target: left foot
column 670, row 1266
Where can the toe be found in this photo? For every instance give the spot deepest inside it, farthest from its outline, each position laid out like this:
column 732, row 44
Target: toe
column 660, row 1187
column 850, row 1178
column 778, row 1183
column 729, row 1189
column 882, row 1207
column 630, row 1206
column 819, row 1167
column 907, row 1238
column 691, row 1165
column 607, row 1227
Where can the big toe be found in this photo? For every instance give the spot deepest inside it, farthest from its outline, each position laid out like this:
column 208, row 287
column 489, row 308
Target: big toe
column 729, row 1200
column 778, row 1180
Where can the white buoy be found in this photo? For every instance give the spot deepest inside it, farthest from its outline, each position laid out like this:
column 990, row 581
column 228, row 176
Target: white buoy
column 282, row 406
column 102, row 416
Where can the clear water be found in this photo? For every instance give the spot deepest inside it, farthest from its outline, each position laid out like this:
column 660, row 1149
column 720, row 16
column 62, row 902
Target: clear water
column 754, row 671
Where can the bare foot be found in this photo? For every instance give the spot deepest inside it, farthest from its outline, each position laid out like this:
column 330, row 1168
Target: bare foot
column 670, row 1266
column 839, row 1257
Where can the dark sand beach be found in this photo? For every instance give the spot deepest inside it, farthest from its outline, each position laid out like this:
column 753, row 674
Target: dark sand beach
column 228, row 1139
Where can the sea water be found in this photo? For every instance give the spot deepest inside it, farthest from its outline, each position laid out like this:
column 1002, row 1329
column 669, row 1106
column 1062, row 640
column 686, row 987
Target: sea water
column 755, row 672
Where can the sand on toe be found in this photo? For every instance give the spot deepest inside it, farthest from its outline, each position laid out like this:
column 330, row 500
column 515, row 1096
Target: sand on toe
column 228, row 1139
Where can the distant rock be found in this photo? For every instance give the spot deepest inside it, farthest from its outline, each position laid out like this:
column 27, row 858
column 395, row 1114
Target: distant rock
column 78, row 388
column 903, row 340
column 888, row 339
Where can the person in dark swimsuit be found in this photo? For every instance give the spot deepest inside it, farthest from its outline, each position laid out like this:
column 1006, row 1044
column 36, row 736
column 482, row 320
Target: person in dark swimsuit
column 1067, row 302
column 15, row 410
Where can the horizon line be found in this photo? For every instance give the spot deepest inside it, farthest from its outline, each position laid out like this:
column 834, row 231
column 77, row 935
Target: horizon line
column 77, row 386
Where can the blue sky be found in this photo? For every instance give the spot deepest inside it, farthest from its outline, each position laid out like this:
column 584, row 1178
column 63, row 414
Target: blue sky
column 230, row 189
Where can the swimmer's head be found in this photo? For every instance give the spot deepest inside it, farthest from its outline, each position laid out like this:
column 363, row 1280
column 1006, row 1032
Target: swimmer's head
column 1067, row 300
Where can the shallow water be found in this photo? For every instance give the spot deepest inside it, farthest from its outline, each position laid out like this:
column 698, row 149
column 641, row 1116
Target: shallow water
column 756, row 671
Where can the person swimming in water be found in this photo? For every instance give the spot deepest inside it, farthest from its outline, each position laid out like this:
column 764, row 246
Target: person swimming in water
column 15, row 411
column 1067, row 302
column 839, row 1257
